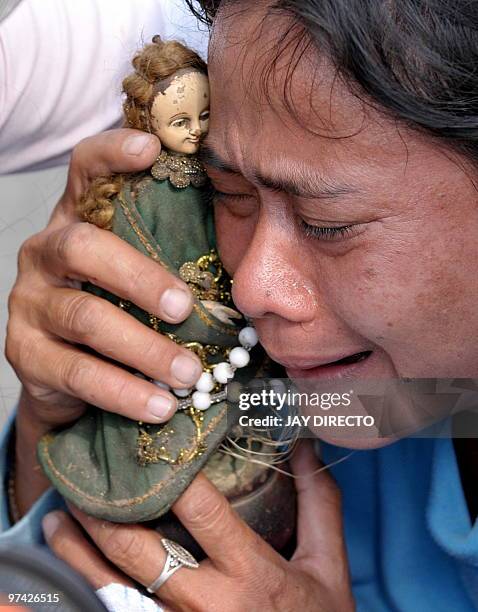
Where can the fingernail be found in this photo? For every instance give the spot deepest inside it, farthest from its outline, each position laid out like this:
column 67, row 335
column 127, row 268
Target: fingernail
column 185, row 369
column 175, row 303
column 135, row 145
column 159, row 406
column 50, row 524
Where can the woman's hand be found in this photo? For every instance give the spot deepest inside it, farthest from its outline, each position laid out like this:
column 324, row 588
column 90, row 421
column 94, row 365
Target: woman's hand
column 54, row 327
column 242, row 572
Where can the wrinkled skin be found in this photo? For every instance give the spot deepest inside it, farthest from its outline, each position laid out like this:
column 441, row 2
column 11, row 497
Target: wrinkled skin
column 241, row 572
column 400, row 281
column 401, row 284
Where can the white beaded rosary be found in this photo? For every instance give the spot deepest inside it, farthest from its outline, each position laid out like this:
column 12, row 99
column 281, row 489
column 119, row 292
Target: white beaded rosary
column 222, row 373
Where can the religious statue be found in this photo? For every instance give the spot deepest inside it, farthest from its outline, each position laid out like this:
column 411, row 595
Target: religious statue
column 126, row 471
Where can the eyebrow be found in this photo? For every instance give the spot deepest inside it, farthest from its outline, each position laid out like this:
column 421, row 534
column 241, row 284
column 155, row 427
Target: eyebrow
column 178, row 115
column 296, row 179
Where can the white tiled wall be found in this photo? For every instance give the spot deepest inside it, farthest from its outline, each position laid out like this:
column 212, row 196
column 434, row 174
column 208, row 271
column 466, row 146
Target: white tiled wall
column 26, row 201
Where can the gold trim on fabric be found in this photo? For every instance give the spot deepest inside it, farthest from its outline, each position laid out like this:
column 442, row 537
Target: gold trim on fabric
column 148, row 452
column 198, row 309
column 136, row 229
column 121, row 503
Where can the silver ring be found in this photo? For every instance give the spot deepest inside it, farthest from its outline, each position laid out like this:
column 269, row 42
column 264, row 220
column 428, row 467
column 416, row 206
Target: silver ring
column 177, row 557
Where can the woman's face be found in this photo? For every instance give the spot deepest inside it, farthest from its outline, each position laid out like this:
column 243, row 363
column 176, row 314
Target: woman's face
column 180, row 114
column 354, row 251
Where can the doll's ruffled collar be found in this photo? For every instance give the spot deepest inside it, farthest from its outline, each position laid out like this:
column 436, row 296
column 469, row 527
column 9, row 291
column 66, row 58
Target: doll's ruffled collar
column 181, row 170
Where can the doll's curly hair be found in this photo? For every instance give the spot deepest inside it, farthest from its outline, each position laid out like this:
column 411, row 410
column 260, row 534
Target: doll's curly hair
column 153, row 66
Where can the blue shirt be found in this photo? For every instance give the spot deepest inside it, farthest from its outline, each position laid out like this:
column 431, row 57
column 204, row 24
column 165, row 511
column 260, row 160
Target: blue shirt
column 28, row 530
column 410, row 541
column 409, row 537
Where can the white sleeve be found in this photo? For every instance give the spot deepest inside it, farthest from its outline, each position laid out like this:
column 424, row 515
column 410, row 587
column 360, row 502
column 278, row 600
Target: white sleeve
column 61, row 67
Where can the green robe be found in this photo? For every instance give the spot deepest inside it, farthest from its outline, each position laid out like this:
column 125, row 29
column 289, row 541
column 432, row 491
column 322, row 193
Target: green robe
column 94, row 462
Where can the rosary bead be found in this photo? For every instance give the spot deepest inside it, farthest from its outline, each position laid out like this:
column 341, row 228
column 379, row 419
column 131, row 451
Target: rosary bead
column 201, row 400
column 239, row 357
column 205, row 384
column 248, row 337
column 223, row 372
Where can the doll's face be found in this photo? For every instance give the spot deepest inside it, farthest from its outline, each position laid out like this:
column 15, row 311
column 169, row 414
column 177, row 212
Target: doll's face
column 180, row 114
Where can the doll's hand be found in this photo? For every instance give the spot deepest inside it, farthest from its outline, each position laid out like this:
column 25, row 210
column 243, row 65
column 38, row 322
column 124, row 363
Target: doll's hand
column 54, row 326
column 242, row 572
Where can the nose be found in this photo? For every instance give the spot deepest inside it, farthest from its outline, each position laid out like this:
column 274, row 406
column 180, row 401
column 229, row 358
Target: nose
column 195, row 129
column 272, row 277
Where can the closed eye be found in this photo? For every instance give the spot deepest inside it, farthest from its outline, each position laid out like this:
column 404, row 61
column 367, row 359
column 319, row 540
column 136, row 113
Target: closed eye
column 327, row 233
column 237, row 204
column 231, row 196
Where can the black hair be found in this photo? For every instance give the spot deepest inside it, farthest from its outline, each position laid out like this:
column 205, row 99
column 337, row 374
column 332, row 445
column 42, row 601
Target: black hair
column 415, row 59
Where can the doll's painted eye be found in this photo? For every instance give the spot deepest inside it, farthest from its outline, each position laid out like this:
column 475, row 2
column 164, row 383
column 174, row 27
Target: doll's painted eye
column 179, row 123
column 204, row 116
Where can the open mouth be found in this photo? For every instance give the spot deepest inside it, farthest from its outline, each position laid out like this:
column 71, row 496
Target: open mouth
column 350, row 359
column 344, row 367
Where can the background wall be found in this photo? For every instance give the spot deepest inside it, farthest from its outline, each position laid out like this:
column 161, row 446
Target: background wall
column 26, row 201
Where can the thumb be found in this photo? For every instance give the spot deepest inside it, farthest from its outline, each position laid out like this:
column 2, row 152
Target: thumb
column 121, row 150
column 320, row 538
